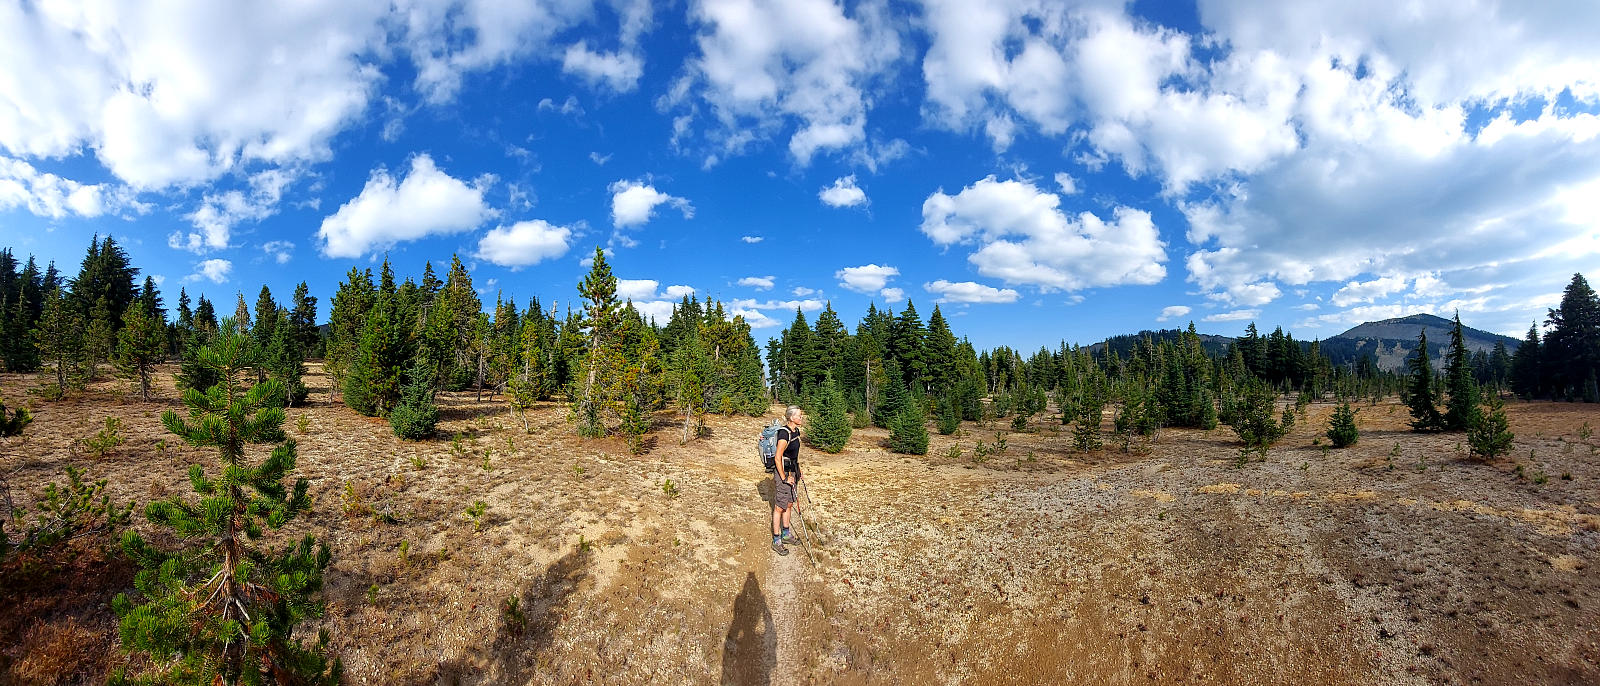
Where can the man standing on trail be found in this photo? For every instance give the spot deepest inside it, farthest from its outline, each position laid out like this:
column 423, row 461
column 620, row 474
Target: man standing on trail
column 787, row 479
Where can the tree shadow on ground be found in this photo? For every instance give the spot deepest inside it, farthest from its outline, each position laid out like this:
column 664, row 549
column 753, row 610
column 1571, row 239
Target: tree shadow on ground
column 750, row 650
column 514, row 655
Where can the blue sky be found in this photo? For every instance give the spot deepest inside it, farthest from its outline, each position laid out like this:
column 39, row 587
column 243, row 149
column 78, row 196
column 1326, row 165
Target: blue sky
column 1045, row 171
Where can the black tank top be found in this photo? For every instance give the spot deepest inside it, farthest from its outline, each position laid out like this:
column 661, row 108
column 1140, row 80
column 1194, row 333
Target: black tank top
column 791, row 451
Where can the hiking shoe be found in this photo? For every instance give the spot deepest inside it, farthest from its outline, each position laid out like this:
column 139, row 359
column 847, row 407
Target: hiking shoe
column 780, row 548
column 790, row 539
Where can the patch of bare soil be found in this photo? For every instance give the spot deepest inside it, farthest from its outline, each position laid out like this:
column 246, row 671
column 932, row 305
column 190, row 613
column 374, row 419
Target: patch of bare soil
column 1396, row 561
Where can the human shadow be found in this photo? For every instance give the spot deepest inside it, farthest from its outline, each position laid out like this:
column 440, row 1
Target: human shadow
column 750, row 650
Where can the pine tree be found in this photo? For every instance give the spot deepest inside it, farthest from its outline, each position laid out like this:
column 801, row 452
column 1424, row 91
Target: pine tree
column 1461, row 406
column 60, row 339
column 141, row 346
column 100, row 338
column 597, row 393
column 303, row 317
column 892, row 397
column 1425, row 415
column 1491, row 436
column 351, row 303
column 1086, row 434
column 830, row 430
column 1253, row 420
column 223, row 610
column 949, row 414
column 266, row 322
column 1572, row 348
column 416, row 416
column 284, row 360
column 1342, row 426
column 372, row 384
column 1525, row 363
column 12, row 424
column 688, row 373
column 909, row 433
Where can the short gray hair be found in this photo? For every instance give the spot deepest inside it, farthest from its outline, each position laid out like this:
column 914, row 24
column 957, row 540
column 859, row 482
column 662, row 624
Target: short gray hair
column 791, row 413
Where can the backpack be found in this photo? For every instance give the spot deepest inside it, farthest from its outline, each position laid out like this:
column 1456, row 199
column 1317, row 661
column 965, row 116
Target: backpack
column 767, row 445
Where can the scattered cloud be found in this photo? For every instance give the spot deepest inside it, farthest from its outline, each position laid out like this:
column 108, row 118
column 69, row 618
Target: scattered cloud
column 679, row 291
column 280, row 251
column 615, row 71
column 1368, row 291
column 637, row 289
column 751, row 239
column 1172, row 311
column 1067, row 184
column 48, row 195
column 213, row 270
column 524, row 243
column 761, row 283
column 1023, row 237
column 764, row 69
column 808, row 305
column 214, row 220
column 427, row 202
column 599, row 159
column 892, row 295
column 969, row 292
column 802, row 291
column 634, row 202
column 1232, row 316
column 867, row 278
column 843, row 193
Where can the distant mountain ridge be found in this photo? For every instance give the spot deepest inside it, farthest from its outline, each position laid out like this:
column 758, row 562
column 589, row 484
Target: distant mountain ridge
column 1391, row 341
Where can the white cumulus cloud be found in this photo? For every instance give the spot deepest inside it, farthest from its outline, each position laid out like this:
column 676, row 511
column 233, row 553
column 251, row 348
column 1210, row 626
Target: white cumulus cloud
column 1172, row 311
column 213, row 270
column 634, row 203
column 757, row 282
column 843, row 193
column 426, row 202
column 969, row 292
column 524, row 243
column 866, row 278
column 1024, row 237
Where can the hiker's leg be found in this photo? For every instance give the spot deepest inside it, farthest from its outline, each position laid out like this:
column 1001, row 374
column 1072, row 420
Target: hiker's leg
column 779, row 515
column 787, row 513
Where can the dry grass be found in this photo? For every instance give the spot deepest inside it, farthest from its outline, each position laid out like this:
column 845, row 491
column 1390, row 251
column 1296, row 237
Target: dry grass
column 1038, row 565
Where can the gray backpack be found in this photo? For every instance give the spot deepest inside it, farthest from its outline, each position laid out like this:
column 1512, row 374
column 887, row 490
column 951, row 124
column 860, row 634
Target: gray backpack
column 767, row 445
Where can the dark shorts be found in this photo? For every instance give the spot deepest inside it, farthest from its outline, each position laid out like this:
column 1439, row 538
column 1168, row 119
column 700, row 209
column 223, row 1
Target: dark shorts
column 782, row 493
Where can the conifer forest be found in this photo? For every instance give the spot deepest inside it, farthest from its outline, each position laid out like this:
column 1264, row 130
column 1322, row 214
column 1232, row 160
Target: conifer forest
column 405, row 482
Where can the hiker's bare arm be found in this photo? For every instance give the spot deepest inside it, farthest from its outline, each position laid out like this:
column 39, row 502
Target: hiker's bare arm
column 782, row 443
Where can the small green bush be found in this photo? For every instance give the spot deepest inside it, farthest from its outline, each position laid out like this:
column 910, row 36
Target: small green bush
column 1342, row 427
column 909, row 433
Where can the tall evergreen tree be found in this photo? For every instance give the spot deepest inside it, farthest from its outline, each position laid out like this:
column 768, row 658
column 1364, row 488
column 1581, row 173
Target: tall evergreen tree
column 1420, row 396
column 303, row 317
column 830, row 430
column 598, row 392
column 60, row 340
column 266, row 319
column 941, row 353
column 908, row 346
column 1572, row 348
column 1525, row 366
column 100, row 336
column 1461, row 406
column 141, row 346
column 224, row 611
column 351, row 303
column 372, row 385
column 284, row 360
column 105, row 274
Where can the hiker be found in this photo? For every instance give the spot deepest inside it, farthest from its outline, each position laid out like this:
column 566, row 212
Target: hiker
column 787, row 478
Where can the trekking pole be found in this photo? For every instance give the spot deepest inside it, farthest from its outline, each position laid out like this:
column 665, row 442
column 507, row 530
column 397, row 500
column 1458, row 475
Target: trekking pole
column 804, row 538
column 810, row 503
